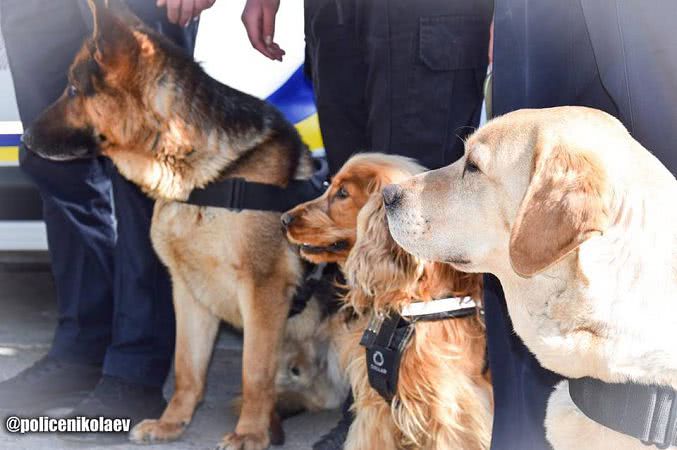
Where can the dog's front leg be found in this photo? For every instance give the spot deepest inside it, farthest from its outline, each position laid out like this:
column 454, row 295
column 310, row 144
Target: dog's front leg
column 265, row 307
column 196, row 329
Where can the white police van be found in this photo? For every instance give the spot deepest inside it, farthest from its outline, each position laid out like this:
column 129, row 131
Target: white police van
column 224, row 51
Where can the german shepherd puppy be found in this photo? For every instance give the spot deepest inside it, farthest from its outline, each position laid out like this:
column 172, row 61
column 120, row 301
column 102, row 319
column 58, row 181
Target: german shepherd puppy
column 170, row 128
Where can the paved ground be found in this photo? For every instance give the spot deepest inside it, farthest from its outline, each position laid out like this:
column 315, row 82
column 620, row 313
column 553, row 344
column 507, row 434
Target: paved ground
column 27, row 319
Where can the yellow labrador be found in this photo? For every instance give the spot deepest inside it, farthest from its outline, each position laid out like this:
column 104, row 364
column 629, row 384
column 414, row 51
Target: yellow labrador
column 579, row 223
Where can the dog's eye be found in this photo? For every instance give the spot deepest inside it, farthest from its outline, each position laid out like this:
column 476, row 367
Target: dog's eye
column 342, row 193
column 295, row 371
column 72, row 91
column 470, row 167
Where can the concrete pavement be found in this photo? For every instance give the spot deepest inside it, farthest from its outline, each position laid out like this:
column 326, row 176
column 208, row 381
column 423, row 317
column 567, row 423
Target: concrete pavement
column 27, row 320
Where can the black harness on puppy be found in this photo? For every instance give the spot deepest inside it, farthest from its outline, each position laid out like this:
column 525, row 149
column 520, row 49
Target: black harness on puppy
column 238, row 194
column 321, row 281
column 386, row 337
column 648, row 413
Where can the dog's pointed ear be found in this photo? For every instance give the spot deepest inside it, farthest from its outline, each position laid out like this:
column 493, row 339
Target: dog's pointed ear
column 114, row 43
column 564, row 205
column 376, row 264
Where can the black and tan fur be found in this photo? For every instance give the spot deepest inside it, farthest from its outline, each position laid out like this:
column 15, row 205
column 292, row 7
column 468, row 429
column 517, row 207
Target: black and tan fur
column 170, row 128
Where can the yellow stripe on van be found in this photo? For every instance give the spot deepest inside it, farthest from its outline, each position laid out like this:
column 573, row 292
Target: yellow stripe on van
column 9, row 154
column 309, row 129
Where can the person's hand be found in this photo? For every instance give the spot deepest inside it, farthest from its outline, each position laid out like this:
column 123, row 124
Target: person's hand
column 181, row 12
column 259, row 20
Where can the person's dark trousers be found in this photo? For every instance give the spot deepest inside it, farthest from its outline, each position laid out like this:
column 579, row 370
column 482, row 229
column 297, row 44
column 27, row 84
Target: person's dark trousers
column 616, row 55
column 521, row 386
column 397, row 76
column 113, row 294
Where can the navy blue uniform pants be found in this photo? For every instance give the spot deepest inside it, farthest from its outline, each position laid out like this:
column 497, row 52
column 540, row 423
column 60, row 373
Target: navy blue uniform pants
column 397, row 76
column 616, row 55
column 114, row 295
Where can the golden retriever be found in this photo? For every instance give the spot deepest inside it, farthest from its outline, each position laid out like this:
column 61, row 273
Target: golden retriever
column 577, row 220
column 308, row 375
column 444, row 398
column 455, row 411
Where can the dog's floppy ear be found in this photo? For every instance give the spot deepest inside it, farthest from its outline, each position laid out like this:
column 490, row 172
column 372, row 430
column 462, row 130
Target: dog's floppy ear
column 564, row 205
column 376, row 263
column 115, row 45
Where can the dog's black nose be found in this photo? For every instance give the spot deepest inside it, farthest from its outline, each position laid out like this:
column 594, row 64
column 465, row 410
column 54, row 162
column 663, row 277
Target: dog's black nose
column 392, row 194
column 287, row 219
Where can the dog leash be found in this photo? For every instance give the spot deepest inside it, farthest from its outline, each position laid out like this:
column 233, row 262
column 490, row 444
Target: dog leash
column 387, row 336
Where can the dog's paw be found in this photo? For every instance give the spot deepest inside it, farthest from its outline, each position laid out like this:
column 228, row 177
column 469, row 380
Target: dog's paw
column 234, row 441
column 151, row 431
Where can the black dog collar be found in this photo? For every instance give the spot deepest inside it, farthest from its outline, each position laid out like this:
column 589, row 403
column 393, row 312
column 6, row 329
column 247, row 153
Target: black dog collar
column 444, row 308
column 238, row 194
column 646, row 412
column 386, row 337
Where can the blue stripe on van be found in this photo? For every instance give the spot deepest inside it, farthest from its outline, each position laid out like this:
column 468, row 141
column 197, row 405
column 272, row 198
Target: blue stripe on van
column 295, row 97
column 10, row 140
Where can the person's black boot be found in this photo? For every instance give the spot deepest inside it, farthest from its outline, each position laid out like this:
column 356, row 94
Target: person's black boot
column 335, row 439
column 49, row 384
column 115, row 398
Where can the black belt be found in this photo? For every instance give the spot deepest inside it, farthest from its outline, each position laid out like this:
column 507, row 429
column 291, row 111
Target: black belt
column 239, row 194
column 646, row 412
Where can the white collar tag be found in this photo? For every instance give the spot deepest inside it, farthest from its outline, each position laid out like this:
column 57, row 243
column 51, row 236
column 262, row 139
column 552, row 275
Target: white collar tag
column 438, row 306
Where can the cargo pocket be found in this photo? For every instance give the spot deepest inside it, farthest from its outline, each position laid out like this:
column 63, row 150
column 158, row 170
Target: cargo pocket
column 445, row 87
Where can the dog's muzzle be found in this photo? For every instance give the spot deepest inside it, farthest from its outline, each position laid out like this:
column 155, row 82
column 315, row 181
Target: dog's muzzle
column 83, row 147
